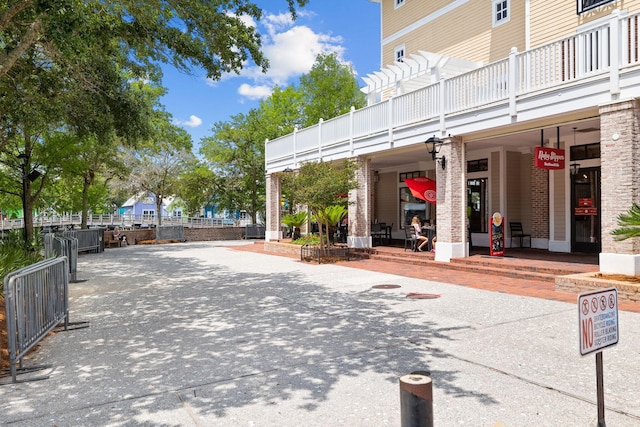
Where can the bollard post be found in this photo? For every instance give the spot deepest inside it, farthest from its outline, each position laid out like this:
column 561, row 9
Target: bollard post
column 416, row 401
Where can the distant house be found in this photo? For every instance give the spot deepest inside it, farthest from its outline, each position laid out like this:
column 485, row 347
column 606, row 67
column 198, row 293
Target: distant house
column 143, row 206
column 213, row 211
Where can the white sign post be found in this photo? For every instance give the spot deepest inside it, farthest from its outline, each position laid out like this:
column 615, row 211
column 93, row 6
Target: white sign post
column 598, row 326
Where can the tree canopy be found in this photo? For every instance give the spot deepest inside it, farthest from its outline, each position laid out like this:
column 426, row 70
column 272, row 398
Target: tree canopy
column 69, row 71
column 211, row 35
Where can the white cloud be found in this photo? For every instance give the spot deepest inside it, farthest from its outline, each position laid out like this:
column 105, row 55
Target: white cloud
column 193, row 122
column 291, row 50
column 254, row 92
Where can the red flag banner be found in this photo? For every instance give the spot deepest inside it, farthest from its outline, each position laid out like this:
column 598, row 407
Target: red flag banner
column 422, row 188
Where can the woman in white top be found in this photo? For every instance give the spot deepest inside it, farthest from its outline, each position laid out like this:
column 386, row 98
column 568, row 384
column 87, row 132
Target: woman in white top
column 417, row 227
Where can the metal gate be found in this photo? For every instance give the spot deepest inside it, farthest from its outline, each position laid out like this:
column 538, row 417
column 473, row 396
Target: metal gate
column 36, row 301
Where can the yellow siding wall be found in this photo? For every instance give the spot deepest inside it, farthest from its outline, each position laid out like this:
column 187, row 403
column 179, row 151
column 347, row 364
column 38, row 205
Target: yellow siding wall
column 466, row 32
column 555, row 20
column 394, row 20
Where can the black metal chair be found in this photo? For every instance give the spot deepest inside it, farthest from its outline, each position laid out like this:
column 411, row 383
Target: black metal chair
column 518, row 233
column 377, row 232
column 409, row 236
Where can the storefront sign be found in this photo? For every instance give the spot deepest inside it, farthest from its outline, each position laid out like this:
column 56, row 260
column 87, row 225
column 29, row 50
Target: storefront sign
column 497, row 235
column 585, row 211
column 549, row 158
column 585, row 202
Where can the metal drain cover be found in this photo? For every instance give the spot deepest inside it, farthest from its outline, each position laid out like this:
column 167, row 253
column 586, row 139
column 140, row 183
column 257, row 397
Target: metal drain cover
column 418, row 295
column 385, row 286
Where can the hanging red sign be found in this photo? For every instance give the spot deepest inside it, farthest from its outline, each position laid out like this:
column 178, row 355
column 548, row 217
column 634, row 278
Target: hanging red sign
column 585, row 211
column 549, row 158
column 585, row 202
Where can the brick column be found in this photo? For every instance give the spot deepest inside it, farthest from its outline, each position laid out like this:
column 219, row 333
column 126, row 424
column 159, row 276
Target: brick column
column 451, row 217
column 361, row 207
column 273, row 229
column 539, row 202
column 619, row 183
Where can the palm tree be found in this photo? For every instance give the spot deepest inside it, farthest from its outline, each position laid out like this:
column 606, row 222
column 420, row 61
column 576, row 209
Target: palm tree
column 629, row 224
column 295, row 221
column 330, row 217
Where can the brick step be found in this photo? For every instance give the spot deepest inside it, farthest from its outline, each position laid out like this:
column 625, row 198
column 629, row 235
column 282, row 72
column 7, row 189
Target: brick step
column 546, row 274
column 544, row 267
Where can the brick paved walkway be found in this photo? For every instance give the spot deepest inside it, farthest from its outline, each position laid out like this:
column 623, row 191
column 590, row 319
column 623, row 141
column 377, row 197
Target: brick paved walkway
column 488, row 282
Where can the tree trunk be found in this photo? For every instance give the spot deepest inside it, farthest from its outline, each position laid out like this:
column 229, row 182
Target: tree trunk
column 85, row 201
column 159, row 214
column 27, row 210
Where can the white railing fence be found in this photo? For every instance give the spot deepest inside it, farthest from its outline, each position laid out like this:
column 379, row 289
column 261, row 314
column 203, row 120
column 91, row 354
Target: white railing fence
column 607, row 48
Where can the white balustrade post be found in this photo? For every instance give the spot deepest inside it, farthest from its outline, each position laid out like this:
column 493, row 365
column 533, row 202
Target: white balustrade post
column 320, row 138
column 351, row 111
column 514, row 78
column 390, row 118
column 442, row 83
column 615, row 45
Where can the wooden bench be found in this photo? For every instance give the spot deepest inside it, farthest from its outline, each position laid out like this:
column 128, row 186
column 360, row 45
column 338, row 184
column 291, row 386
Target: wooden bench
column 109, row 241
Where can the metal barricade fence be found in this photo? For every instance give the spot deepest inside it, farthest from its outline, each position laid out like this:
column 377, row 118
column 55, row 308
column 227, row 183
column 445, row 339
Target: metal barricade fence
column 48, row 245
column 170, row 232
column 88, row 240
column 68, row 247
column 36, row 301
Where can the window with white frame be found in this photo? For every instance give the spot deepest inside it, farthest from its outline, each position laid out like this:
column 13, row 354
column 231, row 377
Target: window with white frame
column 398, row 3
column 501, row 13
column 148, row 214
column 586, row 5
column 398, row 53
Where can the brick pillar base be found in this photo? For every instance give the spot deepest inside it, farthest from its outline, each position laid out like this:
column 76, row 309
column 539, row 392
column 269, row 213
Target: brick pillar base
column 273, row 230
column 620, row 183
column 361, row 208
column 451, row 216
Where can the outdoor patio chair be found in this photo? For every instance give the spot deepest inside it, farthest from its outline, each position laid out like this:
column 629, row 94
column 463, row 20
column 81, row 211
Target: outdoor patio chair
column 378, row 231
column 518, row 233
column 409, row 237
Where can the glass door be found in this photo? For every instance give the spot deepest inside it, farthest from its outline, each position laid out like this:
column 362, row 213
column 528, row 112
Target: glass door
column 585, row 211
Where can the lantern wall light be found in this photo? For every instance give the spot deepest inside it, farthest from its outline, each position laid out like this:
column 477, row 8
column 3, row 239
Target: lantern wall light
column 433, row 145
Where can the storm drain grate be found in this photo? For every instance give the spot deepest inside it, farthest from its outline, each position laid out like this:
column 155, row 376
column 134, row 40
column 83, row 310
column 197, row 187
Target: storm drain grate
column 418, row 295
column 385, row 286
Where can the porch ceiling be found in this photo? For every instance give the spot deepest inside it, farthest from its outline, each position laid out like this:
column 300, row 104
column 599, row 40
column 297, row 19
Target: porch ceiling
column 587, row 131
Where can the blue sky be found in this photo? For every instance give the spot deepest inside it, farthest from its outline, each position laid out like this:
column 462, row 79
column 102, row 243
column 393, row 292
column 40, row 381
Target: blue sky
column 349, row 27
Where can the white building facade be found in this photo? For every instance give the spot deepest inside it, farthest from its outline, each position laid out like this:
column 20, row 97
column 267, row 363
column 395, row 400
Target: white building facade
column 567, row 81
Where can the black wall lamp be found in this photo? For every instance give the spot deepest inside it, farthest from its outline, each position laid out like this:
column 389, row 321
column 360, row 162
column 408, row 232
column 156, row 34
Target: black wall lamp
column 433, row 147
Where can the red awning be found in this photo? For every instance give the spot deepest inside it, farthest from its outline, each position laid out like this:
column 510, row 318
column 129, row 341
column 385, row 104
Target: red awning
column 422, row 188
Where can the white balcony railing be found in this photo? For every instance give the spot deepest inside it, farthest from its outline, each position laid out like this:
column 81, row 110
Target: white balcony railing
column 608, row 50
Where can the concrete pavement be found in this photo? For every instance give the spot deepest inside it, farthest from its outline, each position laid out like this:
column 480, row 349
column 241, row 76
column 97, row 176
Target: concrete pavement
column 200, row 334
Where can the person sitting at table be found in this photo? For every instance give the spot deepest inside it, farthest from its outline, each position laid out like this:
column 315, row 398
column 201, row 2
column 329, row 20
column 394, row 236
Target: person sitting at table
column 415, row 223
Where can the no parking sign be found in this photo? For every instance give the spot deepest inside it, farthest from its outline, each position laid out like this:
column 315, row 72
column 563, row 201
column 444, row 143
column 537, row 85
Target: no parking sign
column 598, row 318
